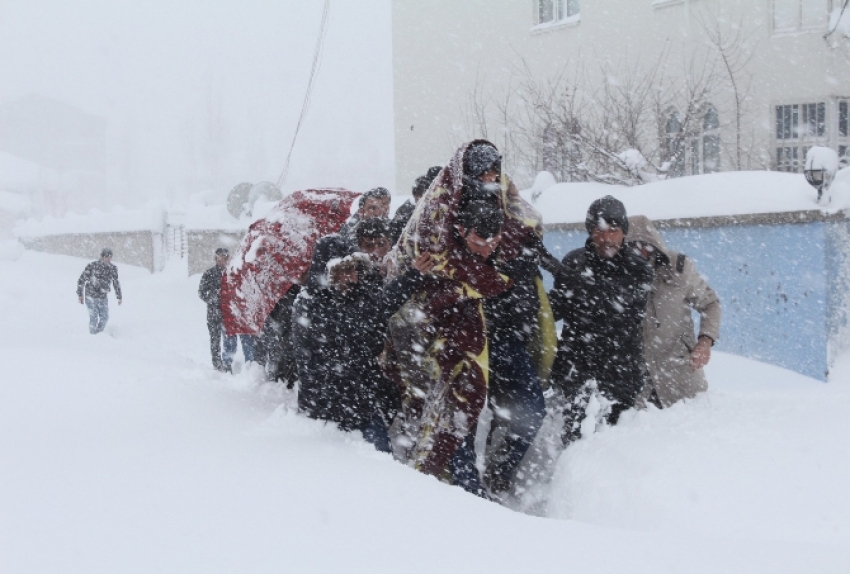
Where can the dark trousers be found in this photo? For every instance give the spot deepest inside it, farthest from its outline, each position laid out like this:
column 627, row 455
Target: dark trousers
column 575, row 411
column 463, row 469
column 516, row 399
column 98, row 313
column 216, row 329
column 219, row 339
column 377, row 434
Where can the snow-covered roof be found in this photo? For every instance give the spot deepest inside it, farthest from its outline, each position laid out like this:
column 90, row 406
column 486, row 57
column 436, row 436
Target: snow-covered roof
column 711, row 195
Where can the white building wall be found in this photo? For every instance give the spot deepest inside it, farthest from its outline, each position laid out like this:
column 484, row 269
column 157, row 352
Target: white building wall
column 442, row 49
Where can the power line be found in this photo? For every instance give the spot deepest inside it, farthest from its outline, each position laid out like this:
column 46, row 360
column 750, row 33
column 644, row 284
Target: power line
column 317, row 55
column 838, row 21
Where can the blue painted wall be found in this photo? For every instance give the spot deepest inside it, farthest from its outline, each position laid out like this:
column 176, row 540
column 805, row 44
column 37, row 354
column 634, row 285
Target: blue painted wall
column 781, row 302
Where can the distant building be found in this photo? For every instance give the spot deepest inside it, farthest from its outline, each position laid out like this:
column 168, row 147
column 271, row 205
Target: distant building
column 457, row 66
column 62, row 148
column 53, row 134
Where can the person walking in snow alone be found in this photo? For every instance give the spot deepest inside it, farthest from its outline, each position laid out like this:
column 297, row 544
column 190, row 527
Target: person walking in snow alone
column 601, row 296
column 209, row 291
column 92, row 287
column 675, row 356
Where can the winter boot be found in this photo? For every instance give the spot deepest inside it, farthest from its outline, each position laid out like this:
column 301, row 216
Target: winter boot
column 503, row 465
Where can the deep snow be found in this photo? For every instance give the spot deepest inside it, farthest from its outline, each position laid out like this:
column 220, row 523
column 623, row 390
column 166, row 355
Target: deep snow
column 126, row 452
column 715, row 194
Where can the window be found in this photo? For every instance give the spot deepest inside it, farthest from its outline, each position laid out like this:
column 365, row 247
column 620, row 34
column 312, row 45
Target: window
column 799, row 127
column 697, row 150
column 675, row 145
column 788, row 159
column 800, row 15
column 814, row 120
column 554, row 11
column 711, row 141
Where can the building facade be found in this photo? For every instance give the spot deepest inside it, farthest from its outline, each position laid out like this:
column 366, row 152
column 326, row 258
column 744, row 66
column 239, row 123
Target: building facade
column 774, row 84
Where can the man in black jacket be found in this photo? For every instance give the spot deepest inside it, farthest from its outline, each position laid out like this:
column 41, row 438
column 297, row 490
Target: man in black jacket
column 601, row 296
column 273, row 348
column 209, row 291
column 95, row 283
column 338, row 329
column 515, row 394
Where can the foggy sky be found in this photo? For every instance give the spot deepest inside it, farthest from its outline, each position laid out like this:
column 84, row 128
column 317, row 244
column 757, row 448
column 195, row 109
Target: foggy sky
column 206, row 93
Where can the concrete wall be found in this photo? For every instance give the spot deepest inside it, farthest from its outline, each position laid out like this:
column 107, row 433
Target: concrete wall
column 782, row 281
column 139, row 248
column 201, row 246
column 443, row 49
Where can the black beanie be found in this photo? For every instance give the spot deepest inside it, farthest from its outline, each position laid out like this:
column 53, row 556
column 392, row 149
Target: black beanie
column 480, row 158
column 609, row 209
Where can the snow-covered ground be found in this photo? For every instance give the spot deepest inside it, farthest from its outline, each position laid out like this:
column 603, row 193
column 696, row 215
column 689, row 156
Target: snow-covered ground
column 126, row 452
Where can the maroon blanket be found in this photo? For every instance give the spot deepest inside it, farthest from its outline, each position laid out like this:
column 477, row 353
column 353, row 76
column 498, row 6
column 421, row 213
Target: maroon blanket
column 444, row 379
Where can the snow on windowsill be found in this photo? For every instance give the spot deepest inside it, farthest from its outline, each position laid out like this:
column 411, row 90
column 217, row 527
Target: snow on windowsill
column 565, row 23
column 666, row 3
column 789, row 32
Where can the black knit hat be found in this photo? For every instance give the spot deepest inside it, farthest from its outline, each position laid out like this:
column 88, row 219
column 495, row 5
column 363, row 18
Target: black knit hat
column 608, row 209
column 480, row 158
column 222, row 252
column 106, row 252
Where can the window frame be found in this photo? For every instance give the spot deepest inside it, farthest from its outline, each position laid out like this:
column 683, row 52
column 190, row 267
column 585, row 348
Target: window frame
column 799, row 28
column 688, row 149
column 710, row 136
column 792, row 136
column 561, row 18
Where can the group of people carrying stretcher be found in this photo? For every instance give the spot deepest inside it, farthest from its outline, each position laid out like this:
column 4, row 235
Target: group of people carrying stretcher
column 405, row 330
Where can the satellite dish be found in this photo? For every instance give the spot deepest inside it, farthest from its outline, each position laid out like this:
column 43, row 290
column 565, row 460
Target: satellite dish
column 237, row 199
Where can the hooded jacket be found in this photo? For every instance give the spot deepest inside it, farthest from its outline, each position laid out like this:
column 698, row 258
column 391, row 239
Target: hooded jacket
column 668, row 329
